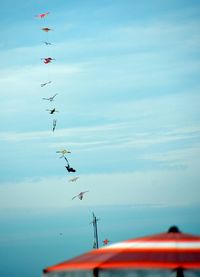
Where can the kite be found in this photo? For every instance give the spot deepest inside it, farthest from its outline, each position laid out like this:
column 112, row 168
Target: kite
column 47, row 60
column 74, row 179
column 63, row 152
column 68, row 167
column 46, row 29
column 54, row 124
column 50, row 98
column 106, row 241
column 42, row 15
column 44, row 84
column 47, row 43
column 52, row 111
column 80, row 195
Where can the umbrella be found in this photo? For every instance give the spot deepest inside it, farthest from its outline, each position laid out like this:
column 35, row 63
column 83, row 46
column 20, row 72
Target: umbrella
column 166, row 254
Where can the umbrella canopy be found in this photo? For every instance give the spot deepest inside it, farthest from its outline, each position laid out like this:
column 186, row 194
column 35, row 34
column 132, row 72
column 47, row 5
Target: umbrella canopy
column 172, row 251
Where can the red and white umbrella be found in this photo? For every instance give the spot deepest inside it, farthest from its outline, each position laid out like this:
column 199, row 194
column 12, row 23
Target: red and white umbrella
column 172, row 252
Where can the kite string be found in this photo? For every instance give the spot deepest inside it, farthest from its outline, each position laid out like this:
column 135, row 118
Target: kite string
column 48, row 70
column 46, row 56
column 89, row 208
column 44, row 42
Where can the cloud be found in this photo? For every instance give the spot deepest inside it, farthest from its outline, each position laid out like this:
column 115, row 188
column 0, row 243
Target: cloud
column 143, row 50
column 61, row 133
column 106, row 136
column 183, row 156
column 132, row 87
column 152, row 188
column 29, row 77
column 163, row 137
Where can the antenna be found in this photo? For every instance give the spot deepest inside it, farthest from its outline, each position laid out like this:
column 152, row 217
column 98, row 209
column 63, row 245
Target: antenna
column 94, row 222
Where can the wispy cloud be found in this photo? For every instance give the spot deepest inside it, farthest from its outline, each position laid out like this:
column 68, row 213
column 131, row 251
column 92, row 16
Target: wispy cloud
column 106, row 136
column 181, row 157
column 29, row 76
column 132, row 86
column 61, row 133
column 151, row 188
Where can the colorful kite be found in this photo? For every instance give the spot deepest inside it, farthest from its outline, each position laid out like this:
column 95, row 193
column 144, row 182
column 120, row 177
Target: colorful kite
column 42, row 15
column 50, row 98
column 47, row 60
column 80, row 195
column 52, row 111
column 47, row 43
column 106, row 241
column 46, row 29
column 74, row 179
column 63, row 152
column 68, row 167
column 44, row 84
column 54, row 124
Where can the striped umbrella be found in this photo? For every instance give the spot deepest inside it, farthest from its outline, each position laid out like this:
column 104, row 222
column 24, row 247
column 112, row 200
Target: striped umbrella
column 166, row 254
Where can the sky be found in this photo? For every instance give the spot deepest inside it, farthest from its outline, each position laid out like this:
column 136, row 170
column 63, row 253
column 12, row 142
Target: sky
column 126, row 75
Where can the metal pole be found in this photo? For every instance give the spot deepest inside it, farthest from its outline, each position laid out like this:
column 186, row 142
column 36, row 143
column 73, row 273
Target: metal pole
column 93, row 222
column 96, row 243
column 96, row 233
column 179, row 272
column 96, row 272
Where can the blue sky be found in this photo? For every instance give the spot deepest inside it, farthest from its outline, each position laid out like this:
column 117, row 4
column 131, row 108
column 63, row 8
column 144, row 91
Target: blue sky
column 127, row 78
